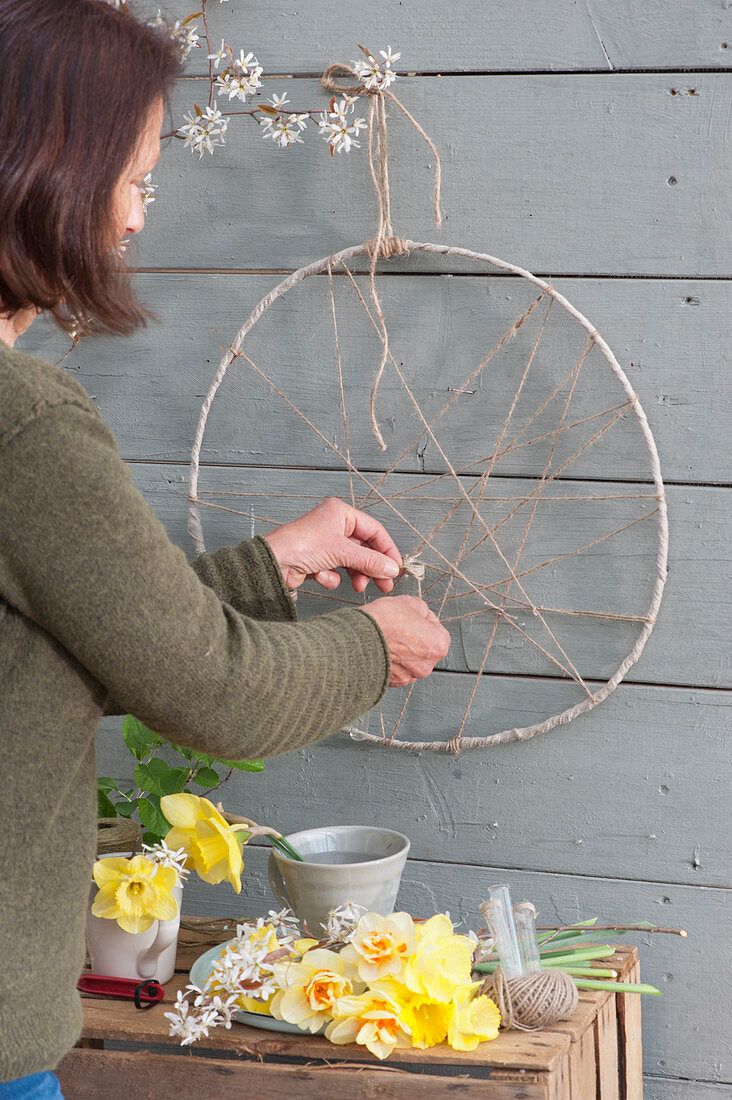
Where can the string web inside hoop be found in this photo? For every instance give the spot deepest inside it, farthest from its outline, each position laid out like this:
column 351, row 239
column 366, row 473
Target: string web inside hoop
column 478, row 420
column 508, row 518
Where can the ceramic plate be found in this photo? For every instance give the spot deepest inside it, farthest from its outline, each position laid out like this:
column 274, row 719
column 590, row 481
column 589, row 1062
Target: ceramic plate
column 201, row 970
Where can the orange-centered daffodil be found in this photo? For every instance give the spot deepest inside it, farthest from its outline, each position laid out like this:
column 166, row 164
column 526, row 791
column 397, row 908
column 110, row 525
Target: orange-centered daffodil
column 313, row 986
column 380, row 945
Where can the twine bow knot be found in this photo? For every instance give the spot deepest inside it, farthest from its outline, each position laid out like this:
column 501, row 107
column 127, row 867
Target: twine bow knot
column 385, row 244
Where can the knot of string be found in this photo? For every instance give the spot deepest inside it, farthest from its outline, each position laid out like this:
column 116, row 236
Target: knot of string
column 413, row 567
column 388, row 246
column 385, row 244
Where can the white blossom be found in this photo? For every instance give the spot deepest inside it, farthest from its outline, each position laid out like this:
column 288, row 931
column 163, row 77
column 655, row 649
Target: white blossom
column 219, row 55
column 190, row 1025
column 166, row 856
column 203, row 131
column 284, row 130
column 340, row 133
column 147, row 192
column 342, row 921
column 375, row 74
column 242, row 76
column 181, row 31
column 279, row 101
column 285, row 923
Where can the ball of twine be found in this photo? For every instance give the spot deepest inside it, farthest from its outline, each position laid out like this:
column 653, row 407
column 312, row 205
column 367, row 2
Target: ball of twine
column 117, row 834
column 533, row 1000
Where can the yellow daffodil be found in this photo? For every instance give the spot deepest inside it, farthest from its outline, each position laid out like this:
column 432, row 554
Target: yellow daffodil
column 474, row 1019
column 211, row 844
column 313, row 986
column 134, row 892
column 441, row 961
column 374, row 1019
column 427, row 1020
column 380, row 945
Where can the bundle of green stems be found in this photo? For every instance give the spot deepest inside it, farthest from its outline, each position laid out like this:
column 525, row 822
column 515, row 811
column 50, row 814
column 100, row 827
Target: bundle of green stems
column 573, row 949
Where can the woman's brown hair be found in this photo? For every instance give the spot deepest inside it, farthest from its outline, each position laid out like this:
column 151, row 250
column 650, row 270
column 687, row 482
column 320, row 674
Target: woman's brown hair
column 78, row 80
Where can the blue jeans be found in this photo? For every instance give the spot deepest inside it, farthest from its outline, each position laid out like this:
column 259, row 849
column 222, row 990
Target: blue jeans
column 39, row 1086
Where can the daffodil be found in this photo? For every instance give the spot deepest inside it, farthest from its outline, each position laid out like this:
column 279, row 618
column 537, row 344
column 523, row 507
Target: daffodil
column 211, row 844
column 374, row 1019
column 380, row 945
column 134, row 892
column 427, row 1020
column 441, row 961
column 313, row 986
column 474, row 1019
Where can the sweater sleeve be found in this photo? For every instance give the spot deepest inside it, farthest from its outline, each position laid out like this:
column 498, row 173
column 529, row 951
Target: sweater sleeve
column 248, row 577
column 83, row 556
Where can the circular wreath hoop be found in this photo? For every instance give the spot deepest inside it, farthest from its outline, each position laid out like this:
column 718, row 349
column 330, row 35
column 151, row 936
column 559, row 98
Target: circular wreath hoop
column 395, row 246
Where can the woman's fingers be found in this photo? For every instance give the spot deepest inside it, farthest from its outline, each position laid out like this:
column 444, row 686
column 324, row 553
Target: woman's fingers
column 327, row 578
column 372, row 533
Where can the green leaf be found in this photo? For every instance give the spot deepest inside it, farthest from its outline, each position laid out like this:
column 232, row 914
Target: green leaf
column 139, row 739
column 207, row 777
column 243, row 765
column 158, row 778
column 104, row 783
column 152, row 818
column 202, row 757
column 126, row 809
column 184, row 751
column 105, row 807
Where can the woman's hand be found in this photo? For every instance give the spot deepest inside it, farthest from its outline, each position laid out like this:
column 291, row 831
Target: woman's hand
column 415, row 637
column 336, row 536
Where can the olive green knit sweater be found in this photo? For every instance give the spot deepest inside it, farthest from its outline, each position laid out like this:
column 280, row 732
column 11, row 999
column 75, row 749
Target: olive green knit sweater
column 101, row 613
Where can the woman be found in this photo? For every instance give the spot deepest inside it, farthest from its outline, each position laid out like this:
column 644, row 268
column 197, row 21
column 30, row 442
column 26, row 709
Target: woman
column 99, row 612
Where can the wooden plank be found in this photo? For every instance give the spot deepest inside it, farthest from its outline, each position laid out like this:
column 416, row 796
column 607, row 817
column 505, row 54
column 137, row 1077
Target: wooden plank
column 582, row 1072
column 613, row 575
column 583, row 190
column 492, row 808
column 117, row 1075
column 668, row 1088
column 150, row 388
column 630, row 1052
column 606, row 1049
column 538, row 1051
column 468, row 35
column 560, row 1083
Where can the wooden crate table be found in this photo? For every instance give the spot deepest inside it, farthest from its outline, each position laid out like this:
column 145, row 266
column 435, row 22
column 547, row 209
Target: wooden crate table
column 596, row 1055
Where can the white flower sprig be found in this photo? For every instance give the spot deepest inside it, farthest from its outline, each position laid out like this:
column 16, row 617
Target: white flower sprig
column 147, row 191
column 241, row 77
column 191, row 1023
column 182, row 31
column 204, row 129
column 342, row 921
column 167, row 857
column 377, row 75
column 338, row 128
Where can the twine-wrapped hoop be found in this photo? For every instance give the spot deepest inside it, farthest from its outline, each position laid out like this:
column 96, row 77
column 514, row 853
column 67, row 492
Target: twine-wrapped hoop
column 326, row 265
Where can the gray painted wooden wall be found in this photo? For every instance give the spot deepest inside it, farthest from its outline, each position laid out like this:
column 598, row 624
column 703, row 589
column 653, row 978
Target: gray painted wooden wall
column 587, row 141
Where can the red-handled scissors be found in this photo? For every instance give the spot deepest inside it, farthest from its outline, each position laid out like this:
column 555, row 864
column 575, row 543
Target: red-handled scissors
column 144, row 994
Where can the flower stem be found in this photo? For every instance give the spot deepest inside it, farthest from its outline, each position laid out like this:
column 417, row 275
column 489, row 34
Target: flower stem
column 286, row 848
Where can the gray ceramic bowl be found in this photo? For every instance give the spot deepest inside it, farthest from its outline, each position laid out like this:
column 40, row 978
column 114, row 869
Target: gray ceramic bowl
column 357, row 863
